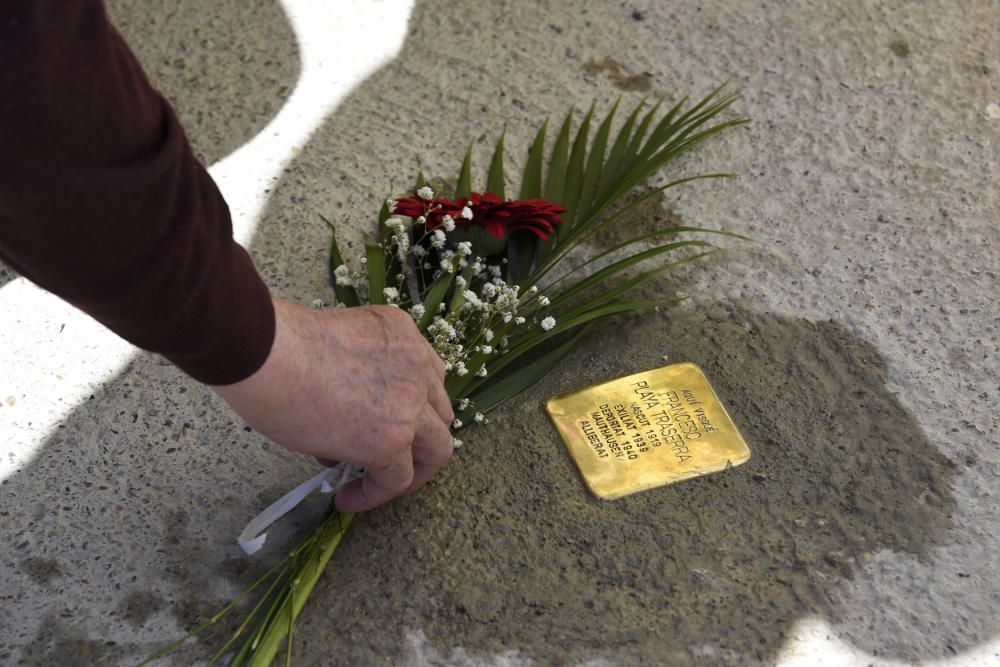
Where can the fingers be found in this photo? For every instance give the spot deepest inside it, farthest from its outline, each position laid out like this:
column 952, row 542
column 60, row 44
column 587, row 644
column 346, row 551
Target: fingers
column 436, row 363
column 405, row 471
column 405, row 465
column 432, row 447
column 439, row 401
column 384, row 480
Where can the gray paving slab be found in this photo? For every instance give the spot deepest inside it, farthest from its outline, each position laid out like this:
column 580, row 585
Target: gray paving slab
column 855, row 341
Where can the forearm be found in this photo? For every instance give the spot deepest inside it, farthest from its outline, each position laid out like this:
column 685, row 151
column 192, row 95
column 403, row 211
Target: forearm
column 103, row 203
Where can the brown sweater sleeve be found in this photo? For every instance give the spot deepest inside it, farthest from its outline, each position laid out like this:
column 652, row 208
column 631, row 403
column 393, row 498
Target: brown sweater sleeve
column 103, row 203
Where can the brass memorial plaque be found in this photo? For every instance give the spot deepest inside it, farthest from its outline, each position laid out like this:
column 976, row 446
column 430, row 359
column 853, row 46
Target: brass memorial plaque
column 646, row 430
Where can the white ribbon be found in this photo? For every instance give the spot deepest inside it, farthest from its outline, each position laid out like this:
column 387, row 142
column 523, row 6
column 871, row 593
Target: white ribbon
column 253, row 536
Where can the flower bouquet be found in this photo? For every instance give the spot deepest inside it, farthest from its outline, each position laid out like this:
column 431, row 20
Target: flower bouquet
column 491, row 284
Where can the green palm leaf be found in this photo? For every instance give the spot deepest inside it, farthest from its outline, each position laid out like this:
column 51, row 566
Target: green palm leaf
column 617, row 267
column 464, row 186
column 531, row 180
column 574, row 171
column 513, row 384
column 618, row 151
column 595, row 165
column 495, row 179
column 555, row 180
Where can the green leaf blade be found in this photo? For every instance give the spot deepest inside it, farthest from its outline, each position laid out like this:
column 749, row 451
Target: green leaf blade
column 595, row 165
column 345, row 294
column 375, row 256
column 555, row 180
column 574, row 171
column 521, row 379
column 617, row 267
column 495, row 178
column 434, row 297
column 531, row 180
column 463, row 187
column 618, row 151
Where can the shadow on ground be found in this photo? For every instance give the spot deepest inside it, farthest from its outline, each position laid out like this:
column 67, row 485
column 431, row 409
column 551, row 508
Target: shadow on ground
column 227, row 66
column 509, row 551
column 505, row 550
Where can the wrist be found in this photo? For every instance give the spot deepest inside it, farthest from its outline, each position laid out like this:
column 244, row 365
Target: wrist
column 284, row 353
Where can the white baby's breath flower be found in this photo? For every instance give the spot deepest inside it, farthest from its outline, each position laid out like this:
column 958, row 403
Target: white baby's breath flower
column 481, row 373
column 457, row 423
column 466, row 213
column 390, row 203
column 419, row 251
column 464, row 248
column 391, row 293
column 486, row 349
column 479, row 417
column 543, row 301
column 437, row 238
column 402, row 243
column 507, row 317
column 456, row 443
column 463, row 404
column 317, row 303
column 418, row 311
column 394, row 222
column 342, row 275
column 488, row 335
column 448, row 223
column 471, row 298
column 548, row 323
column 489, row 291
column 425, row 193
column 460, row 369
column 461, row 283
column 519, row 320
column 421, row 220
column 533, row 289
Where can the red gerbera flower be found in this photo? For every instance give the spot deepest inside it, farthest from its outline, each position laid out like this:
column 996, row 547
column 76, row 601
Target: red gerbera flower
column 498, row 217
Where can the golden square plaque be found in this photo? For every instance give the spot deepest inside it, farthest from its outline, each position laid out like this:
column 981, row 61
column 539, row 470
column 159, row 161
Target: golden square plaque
column 646, row 430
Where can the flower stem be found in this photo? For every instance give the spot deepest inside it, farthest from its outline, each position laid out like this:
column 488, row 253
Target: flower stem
column 303, row 579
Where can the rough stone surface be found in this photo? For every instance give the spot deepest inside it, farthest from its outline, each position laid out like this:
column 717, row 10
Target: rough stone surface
column 855, row 341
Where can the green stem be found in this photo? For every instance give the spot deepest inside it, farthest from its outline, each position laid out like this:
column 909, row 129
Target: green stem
column 172, row 645
column 246, row 622
column 303, row 581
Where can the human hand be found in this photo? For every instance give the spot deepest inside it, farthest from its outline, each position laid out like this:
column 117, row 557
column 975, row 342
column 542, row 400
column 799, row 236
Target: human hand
column 360, row 385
